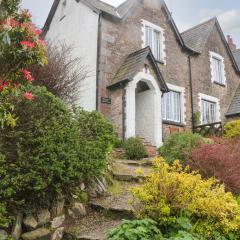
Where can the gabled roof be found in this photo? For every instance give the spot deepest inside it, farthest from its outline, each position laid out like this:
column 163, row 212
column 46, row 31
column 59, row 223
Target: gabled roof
column 196, row 38
column 234, row 108
column 117, row 13
column 236, row 55
column 134, row 63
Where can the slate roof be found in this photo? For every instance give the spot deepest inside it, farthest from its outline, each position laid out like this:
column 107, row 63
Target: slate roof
column 133, row 63
column 197, row 36
column 236, row 55
column 234, row 108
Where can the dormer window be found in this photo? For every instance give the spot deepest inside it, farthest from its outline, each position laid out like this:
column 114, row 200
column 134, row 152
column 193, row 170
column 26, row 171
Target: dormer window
column 63, row 10
column 217, row 68
column 154, row 38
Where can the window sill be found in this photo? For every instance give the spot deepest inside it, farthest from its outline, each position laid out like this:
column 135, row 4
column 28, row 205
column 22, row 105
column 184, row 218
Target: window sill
column 220, row 84
column 174, row 123
column 160, row 62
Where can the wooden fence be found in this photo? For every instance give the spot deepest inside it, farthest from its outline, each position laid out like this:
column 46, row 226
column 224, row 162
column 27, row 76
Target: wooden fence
column 211, row 129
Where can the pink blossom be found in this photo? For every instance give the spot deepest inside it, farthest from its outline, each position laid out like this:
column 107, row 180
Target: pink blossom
column 28, row 96
column 28, row 44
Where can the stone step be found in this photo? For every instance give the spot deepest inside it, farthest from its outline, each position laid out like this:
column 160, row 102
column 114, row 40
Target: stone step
column 117, row 202
column 140, row 163
column 92, row 227
column 129, row 173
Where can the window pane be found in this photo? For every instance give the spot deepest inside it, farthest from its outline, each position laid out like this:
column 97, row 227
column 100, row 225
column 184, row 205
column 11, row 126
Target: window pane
column 208, row 112
column 217, row 70
column 171, row 106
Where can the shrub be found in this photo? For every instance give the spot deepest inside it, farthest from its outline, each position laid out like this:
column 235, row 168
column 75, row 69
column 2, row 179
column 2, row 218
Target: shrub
column 221, row 160
column 179, row 146
column 232, row 129
column 135, row 148
column 137, row 229
column 49, row 151
column 97, row 139
column 171, row 191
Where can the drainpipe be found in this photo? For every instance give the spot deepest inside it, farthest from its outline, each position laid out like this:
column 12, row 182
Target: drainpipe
column 191, row 90
column 123, row 111
column 99, row 43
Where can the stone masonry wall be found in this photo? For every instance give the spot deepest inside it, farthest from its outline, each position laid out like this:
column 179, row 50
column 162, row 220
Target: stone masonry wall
column 201, row 74
column 122, row 38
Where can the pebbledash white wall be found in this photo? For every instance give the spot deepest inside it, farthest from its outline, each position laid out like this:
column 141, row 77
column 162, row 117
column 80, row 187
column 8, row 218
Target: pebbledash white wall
column 79, row 28
column 130, row 110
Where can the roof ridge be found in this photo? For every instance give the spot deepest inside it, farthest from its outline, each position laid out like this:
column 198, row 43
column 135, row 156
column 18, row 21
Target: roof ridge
column 199, row 25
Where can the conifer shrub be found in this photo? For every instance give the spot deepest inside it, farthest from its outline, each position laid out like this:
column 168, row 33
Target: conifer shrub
column 219, row 159
column 179, row 146
column 170, row 192
column 135, row 149
column 49, row 150
column 232, row 129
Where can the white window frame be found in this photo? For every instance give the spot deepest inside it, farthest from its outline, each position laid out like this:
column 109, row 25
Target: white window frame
column 162, row 39
column 180, row 90
column 209, row 99
column 217, row 56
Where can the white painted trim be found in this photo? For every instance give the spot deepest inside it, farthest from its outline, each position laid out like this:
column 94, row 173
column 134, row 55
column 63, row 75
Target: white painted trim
column 210, row 99
column 221, row 58
column 130, row 110
column 181, row 90
column 159, row 29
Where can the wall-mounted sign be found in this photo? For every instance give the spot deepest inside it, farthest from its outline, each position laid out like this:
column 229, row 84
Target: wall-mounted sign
column 105, row 100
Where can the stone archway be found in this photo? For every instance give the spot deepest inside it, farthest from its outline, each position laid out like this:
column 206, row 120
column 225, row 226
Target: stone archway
column 143, row 109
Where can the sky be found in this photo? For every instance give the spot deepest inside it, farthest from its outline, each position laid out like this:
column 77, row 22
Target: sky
column 186, row 13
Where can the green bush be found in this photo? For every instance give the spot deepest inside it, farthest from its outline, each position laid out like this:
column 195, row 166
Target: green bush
column 136, row 230
column 179, row 146
column 232, row 129
column 49, row 151
column 97, row 139
column 135, row 148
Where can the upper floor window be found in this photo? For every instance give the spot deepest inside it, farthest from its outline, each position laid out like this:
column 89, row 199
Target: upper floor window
column 173, row 104
column 154, row 38
column 217, row 68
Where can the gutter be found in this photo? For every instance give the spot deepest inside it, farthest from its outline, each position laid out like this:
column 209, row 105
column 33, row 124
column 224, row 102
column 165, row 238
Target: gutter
column 99, row 44
column 191, row 90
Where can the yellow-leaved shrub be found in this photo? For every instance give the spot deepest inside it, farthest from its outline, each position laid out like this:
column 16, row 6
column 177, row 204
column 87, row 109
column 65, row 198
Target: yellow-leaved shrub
column 171, row 191
column 232, row 129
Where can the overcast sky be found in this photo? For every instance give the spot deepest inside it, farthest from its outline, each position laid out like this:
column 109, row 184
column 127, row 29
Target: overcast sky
column 186, row 13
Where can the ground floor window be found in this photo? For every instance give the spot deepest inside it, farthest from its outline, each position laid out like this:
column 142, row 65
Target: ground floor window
column 209, row 110
column 171, row 106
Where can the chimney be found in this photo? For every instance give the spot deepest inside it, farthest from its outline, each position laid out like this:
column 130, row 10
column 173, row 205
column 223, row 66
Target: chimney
column 231, row 44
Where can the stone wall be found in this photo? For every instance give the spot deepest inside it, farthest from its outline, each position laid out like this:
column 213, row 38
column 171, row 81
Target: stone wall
column 201, row 73
column 122, row 38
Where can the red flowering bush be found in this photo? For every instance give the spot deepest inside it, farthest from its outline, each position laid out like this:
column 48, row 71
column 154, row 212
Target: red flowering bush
column 220, row 159
column 20, row 48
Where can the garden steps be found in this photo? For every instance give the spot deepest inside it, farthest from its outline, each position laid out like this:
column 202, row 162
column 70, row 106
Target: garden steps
column 108, row 211
column 92, row 227
column 122, row 171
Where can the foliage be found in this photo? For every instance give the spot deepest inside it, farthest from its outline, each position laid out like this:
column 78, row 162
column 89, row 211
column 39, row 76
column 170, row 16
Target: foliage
column 136, row 230
column 49, row 151
column 97, row 138
column 63, row 74
column 232, row 129
column 20, row 47
column 135, row 148
column 179, row 146
column 197, row 118
column 221, row 160
column 172, row 191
